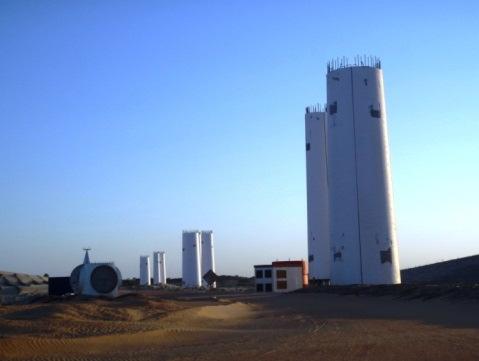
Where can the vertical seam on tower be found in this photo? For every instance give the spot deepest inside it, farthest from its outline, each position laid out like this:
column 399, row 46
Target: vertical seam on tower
column 356, row 179
column 326, row 148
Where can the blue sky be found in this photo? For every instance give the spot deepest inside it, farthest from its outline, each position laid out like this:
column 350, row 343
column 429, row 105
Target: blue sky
column 124, row 122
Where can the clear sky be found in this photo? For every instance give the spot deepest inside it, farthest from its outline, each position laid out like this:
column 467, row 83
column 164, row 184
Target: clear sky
column 124, row 122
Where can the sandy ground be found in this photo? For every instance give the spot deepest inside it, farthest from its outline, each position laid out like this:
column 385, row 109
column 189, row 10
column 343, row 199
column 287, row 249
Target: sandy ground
column 241, row 327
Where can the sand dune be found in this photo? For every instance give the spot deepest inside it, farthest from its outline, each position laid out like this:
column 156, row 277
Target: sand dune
column 286, row 327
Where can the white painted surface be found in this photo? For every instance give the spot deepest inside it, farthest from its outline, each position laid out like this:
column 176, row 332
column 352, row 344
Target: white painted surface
column 317, row 196
column 85, row 286
column 360, row 191
column 145, row 276
column 156, row 268
column 191, row 268
column 294, row 278
column 207, row 255
column 163, row 268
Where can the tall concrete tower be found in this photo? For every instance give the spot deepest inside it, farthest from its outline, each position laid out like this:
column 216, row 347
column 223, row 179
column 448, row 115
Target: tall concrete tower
column 163, row 268
column 207, row 255
column 145, row 277
column 361, row 216
column 159, row 268
column 156, row 268
column 317, row 195
column 351, row 228
column 191, row 267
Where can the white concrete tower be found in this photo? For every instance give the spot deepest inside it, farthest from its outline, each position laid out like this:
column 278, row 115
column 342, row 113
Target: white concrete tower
column 191, row 268
column 317, row 195
column 145, row 277
column 156, row 268
column 163, row 268
column 362, row 228
column 207, row 255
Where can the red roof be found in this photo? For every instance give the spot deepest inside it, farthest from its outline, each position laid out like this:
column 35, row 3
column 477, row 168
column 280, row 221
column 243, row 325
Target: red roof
column 288, row 264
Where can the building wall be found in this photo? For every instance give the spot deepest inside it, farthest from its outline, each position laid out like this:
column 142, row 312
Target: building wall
column 264, row 283
column 191, row 266
column 293, row 279
column 317, row 196
column 362, row 228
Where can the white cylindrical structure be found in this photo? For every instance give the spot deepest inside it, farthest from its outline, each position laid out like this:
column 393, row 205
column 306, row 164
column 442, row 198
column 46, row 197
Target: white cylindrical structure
column 362, row 228
column 163, row 268
column 207, row 256
column 145, row 277
column 317, row 195
column 191, row 268
column 156, row 268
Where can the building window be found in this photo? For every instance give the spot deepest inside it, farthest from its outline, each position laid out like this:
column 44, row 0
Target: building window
column 259, row 273
column 385, row 256
column 308, row 146
column 333, row 108
column 311, row 258
column 268, row 287
column 337, row 256
column 267, row 273
column 281, row 273
column 259, row 287
column 375, row 113
column 281, row 285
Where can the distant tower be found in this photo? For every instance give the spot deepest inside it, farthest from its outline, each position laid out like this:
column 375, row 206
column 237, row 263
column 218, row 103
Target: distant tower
column 361, row 217
column 207, row 256
column 317, row 195
column 163, row 268
column 191, row 267
column 145, row 277
column 156, row 268
column 159, row 268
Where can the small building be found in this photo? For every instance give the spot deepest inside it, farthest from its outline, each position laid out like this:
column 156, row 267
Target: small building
column 281, row 276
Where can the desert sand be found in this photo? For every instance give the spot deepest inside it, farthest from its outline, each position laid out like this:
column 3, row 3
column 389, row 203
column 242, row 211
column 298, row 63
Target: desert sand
column 154, row 326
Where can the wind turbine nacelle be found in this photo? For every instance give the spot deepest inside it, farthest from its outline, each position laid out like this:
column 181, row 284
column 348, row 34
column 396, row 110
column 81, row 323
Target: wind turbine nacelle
column 96, row 279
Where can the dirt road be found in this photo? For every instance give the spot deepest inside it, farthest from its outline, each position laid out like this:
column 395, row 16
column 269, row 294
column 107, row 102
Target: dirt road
column 273, row 327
